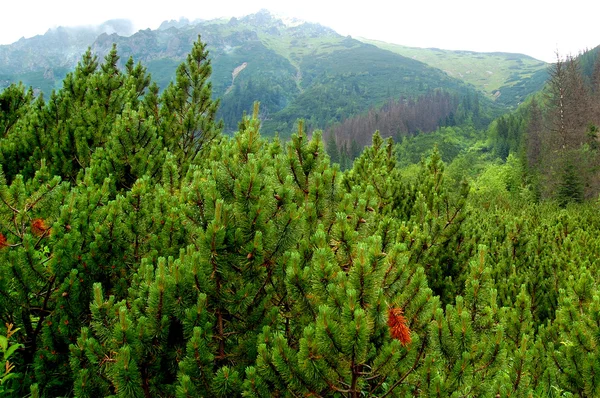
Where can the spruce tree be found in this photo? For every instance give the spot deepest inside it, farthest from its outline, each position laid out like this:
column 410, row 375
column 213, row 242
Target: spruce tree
column 570, row 186
column 332, row 149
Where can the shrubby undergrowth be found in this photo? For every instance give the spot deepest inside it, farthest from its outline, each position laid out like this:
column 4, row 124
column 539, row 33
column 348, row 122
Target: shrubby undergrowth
column 143, row 253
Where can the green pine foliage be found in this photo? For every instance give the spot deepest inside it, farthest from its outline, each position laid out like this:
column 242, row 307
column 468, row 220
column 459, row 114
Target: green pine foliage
column 188, row 114
column 144, row 254
column 468, row 344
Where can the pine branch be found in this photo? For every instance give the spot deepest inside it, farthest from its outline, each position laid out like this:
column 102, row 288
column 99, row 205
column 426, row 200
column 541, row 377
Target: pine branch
column 14, row 210
column 397, row 383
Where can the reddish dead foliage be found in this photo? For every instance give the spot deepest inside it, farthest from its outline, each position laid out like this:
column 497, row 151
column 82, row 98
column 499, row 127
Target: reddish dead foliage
column 397, row 324
column 38, row 227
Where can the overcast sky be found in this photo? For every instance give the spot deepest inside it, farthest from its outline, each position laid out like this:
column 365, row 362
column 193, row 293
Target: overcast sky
column 532, row 27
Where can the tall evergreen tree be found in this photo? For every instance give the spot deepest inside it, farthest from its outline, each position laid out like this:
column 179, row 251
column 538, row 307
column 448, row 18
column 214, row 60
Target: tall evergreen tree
column 188, row 112
column 332, row 148
column 570, row 186
column 533, row 139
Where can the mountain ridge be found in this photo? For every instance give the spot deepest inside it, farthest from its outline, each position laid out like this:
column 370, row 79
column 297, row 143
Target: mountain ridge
column 502, row 76
column 302, row 70
column 295, row 69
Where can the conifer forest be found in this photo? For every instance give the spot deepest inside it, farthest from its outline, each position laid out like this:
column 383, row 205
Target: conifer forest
column 147, row 252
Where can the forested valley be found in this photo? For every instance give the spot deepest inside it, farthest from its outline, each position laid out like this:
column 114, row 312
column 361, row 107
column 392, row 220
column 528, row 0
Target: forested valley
column 145, row 252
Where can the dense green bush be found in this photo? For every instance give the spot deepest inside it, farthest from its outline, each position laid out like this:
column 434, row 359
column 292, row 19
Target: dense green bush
column 143, row 254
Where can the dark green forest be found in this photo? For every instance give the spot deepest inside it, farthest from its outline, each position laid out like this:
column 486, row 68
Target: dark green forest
column 146, row 253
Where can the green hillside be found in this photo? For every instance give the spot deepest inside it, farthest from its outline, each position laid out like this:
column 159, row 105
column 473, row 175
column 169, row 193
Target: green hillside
column 305, row 71
column 296, row 71
column 504, row 77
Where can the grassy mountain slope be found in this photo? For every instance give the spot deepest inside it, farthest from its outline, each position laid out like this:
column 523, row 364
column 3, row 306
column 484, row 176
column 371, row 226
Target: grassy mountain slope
column 301, row 70
column 344, row 82
column 507, row 78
